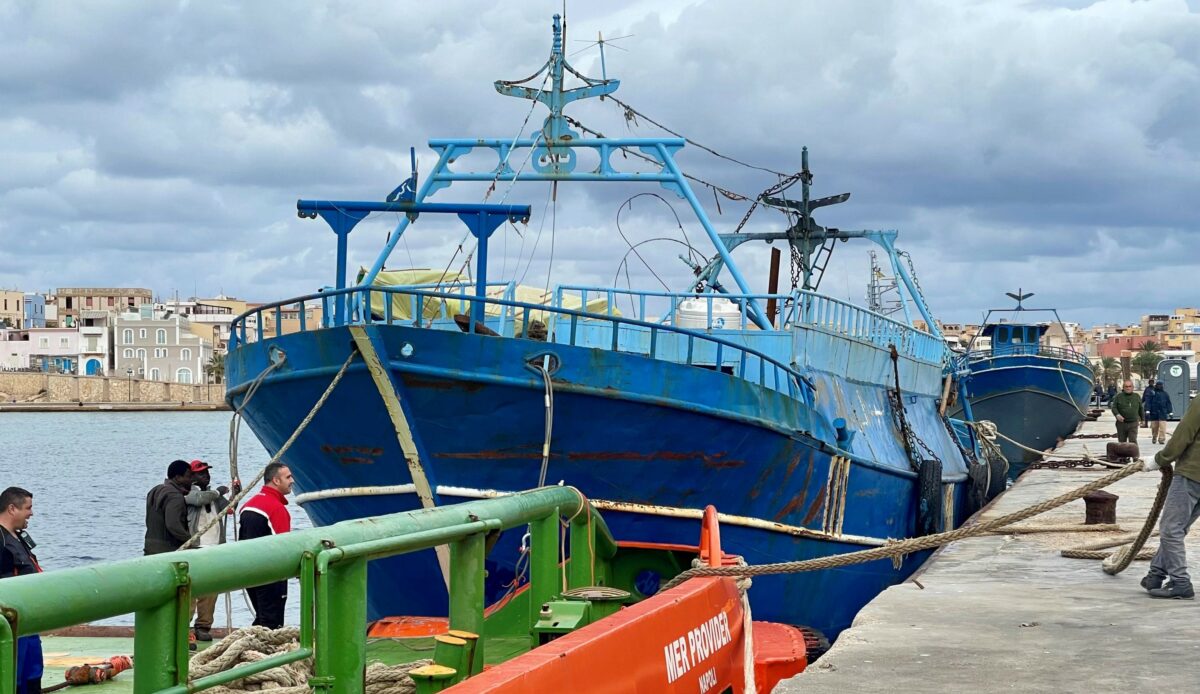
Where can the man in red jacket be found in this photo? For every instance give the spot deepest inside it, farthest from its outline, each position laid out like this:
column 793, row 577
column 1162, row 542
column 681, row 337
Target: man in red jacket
column 263, row 515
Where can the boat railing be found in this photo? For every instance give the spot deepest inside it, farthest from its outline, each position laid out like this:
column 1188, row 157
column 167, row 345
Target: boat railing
column 844, row 318
column 510, row 318
column 664, row 307
column 331, row 564
column 1011, row 350
column 801, row 308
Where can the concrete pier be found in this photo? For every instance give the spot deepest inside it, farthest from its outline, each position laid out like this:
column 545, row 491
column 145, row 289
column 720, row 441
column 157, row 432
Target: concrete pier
column 1007, row 613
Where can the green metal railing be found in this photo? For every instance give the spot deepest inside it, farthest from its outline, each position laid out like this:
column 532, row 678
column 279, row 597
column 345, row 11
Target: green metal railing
column 331, row 563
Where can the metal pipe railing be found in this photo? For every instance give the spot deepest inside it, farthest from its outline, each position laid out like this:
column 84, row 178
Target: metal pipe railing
column 331, row 565
column 794, row 383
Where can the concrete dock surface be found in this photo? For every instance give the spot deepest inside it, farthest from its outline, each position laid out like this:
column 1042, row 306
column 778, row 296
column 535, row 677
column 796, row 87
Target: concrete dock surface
column 1007, row 613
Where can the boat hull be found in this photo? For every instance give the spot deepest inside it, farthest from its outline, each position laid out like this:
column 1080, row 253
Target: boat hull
column 651, row 442
column 1033, row 399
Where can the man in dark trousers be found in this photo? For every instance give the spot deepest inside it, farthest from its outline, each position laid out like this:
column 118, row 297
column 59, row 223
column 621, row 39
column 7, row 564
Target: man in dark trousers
column 1127, row 406
column 166, row 510
column 1146, row 395
column 16, row 559
column 266, row 514
column 1158, row 409
column 204, row 506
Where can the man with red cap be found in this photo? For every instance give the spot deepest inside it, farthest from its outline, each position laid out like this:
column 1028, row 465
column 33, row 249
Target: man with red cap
column 266, row 514
column 203, row 506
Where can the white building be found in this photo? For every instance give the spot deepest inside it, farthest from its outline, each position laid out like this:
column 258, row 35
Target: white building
column 94, row 342
column 158, row 346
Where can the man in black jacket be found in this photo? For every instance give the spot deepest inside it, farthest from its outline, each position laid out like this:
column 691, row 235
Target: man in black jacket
column 166, row 511
column 16, row 559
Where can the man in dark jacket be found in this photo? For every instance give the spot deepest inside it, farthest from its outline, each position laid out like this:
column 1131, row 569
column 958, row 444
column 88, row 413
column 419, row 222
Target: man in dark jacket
column 1158, row 410
column 1146, row 405
column 266, row 514
column 16, row 559
column 166, row 511
column 1127, row 406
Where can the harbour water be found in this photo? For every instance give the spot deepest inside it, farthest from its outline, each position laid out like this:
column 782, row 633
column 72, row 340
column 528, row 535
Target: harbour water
column 89, row 473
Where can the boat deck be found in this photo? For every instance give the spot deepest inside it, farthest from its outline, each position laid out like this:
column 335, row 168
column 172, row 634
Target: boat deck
column 1005, row 613
column 62, row 652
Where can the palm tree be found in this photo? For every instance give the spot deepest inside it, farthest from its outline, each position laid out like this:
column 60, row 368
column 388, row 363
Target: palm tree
column 1110, row 370
column 215, row 368
column 1147, row 358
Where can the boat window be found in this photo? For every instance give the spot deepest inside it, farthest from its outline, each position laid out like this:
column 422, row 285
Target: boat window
column 1016, row 335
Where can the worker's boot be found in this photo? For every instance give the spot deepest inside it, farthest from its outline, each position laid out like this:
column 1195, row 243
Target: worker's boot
column 1174, row 591
column 203, row 634
column 1154, row 579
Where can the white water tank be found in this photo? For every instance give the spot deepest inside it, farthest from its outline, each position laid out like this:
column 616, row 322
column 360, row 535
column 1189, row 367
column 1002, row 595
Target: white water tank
column 694, row 314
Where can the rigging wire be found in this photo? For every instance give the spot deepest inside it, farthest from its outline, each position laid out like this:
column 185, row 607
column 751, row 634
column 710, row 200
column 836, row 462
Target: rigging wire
column 632, row 114
column 633, row 248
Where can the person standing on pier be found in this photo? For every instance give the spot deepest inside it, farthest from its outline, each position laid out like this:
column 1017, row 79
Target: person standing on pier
column 1180, row 510
column 166, row 511
column 1158, row 409
column 1146, row 395
column 203, row 505
column 266, row 514
column 16, row 559
column 1127, row 406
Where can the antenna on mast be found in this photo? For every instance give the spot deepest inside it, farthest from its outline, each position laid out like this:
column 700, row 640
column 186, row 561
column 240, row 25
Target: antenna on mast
column 1020, row 297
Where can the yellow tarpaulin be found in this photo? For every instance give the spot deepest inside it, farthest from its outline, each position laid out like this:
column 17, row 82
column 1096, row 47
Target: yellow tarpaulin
column 404, row 305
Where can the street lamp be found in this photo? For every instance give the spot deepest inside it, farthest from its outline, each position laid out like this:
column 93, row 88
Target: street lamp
column 129, row 381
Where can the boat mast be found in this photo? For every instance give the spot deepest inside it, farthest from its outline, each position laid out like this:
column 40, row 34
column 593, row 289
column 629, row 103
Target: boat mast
column 553, row 157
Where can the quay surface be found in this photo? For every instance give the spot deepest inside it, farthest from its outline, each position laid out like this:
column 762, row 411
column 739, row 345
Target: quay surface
column 1005, row 613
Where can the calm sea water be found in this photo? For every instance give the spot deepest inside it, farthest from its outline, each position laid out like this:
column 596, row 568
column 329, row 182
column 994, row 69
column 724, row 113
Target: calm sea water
column 89, row 473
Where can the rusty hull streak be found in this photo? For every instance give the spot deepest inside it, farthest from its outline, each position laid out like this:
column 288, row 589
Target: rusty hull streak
column 762, row 479
column 437, row 384
column 815, row 508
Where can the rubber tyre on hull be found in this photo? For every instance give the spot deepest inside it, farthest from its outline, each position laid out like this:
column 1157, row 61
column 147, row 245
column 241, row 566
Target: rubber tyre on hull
column 999, row 478
column 930, row 516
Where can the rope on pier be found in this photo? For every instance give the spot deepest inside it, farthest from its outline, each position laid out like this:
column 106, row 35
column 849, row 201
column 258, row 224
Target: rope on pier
column 898, row 549
column 253, row 644
column 246, row 489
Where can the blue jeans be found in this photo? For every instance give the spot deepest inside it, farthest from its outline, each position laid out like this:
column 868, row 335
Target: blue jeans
column 29, row 664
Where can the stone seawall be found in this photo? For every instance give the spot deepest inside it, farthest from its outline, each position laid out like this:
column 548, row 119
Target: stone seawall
column 38, row 388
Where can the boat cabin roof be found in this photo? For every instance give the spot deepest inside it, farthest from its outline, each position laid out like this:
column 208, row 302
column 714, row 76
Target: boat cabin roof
column 1014, row 332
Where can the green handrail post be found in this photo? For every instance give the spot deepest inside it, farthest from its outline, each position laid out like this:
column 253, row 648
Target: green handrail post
column 8, row 653
column 544, row 582
column 342, row 638
column 160, row 643
column 308, row 589
column 592, row 545
column 466, row 592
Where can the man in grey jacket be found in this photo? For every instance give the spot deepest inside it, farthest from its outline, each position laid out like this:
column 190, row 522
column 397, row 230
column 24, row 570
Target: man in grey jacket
column 203, row 505
column 166, row 511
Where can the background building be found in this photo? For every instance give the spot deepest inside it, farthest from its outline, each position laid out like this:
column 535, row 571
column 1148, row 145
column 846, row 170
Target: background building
column 73, row 300
column 35, row 311
column 12, row 309
column 158, row 346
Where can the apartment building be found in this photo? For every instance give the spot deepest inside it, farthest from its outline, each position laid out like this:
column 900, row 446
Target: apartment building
column 72, row 301
column 158, row 346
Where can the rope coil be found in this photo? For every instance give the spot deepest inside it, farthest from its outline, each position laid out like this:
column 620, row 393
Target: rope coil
column 257, row 643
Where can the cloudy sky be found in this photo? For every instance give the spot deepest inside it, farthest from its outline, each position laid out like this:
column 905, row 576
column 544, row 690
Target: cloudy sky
column 1047, row 145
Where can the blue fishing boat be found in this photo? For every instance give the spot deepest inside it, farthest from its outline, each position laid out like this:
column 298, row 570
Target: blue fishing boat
column 1034, row 393
column 811, row 423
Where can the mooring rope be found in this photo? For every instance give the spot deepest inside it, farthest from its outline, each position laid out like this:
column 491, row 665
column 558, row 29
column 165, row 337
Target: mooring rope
column 899, row 548
column 246, row 489
column 254, row 644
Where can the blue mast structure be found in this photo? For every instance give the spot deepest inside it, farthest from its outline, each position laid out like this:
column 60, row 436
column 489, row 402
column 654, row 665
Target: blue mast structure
column 553, row 157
